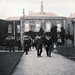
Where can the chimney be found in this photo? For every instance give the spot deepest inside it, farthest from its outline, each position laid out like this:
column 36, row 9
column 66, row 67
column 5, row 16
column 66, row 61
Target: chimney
column 41, row 7
column 23, row 13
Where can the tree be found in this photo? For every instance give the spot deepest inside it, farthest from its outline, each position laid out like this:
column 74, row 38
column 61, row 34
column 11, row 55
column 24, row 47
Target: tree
column 41, row 31
column 62, row 34
column 54, row 33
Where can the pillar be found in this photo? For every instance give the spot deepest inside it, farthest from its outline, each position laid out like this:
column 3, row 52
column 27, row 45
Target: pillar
column 74, row 34
column 64, row 23
column 14, row 29
column 21, row 31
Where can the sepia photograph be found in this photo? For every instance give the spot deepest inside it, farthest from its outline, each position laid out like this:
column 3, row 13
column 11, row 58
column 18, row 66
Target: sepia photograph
column 37, row 37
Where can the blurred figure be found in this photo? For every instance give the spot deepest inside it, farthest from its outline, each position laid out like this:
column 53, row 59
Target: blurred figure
column 7, row 43
column 55, row 47
column 19, row 44
column 12, row 43
column 39, row 46
column 36, row 41
column 26, row 44
column 69, row 42
column 43, row 39
column 48, row 45
column 33, row 43
column 30, row 43
column 59, row 42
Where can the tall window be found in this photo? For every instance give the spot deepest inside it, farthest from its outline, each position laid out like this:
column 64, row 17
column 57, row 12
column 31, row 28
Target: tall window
column 26, row 28
column 48, row 27
column 18, row 28
column 9, row 28
column 59, row 27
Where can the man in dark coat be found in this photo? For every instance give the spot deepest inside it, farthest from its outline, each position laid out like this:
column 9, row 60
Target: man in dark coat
column 30, row 43
column 36, row 41
column 39, row 46
column 12, row 44
column 19, row 45
column 48, row 45
column 26, row 44
column 7, row 43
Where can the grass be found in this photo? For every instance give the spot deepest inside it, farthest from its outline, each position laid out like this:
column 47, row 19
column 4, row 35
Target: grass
column 8, row 61
column 66, row 51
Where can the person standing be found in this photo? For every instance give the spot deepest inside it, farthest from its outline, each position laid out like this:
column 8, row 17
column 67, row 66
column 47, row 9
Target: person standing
column 19, row 45
column 33, row 43
column 36, row 41
column 26, row 44
column 6, row 41
column 9, row 39
column 12, row 43
column 39, row 46
column 30, row 43
column 48, row 45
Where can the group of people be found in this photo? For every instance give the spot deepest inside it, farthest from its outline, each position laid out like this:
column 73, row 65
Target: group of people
column 39, row 42
column 9, row 42
column 43, row 41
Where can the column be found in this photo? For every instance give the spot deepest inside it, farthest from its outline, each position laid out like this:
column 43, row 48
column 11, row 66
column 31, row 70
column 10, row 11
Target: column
column 42, row 7
column 64, row 23
column 74, row 30
column 74, row 34
column 14, row 29
column 21, row 32
column 43, row 24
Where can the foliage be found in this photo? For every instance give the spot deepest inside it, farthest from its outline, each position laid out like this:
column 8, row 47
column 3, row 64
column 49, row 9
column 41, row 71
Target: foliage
column 54, row 33
column 41, row 31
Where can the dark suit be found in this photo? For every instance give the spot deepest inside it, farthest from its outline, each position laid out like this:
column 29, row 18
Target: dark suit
column 7, row 43
column 19, row 45
column 12, row 43
column 26, row 45
column 48, row 46
column 39, row 46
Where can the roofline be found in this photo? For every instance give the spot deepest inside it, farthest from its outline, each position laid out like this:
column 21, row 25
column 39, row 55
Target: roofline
column 42, row 17
column 12, row 20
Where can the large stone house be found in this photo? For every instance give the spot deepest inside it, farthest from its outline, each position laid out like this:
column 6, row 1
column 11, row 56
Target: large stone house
column 18, row 26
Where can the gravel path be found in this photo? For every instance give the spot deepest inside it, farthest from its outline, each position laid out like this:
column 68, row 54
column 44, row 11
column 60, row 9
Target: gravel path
column 56, row 65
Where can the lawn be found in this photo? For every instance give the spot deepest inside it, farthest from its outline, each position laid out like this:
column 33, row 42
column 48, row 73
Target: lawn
column 8, row 61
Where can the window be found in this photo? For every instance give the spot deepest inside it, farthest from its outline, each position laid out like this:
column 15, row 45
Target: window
column 26, row 28
column 48, row 27
column 58, row 27
column 9, row 28
column 18, row 28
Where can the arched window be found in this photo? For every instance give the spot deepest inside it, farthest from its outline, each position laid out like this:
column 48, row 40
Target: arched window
column 18, row 28
column 26, row 27
column 59, row 27
column 48, row 26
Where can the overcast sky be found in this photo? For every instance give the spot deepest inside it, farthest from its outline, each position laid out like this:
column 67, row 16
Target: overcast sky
column 10, row 8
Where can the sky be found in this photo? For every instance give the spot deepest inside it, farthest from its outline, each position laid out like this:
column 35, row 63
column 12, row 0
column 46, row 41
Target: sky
column 14, row 8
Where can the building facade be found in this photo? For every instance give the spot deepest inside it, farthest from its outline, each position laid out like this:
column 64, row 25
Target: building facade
column 18, row 26
column 35, row 20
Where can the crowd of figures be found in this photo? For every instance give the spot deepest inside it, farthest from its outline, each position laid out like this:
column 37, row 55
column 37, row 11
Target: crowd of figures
column 38, row 43
column 43, row 41
column 9, row 43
